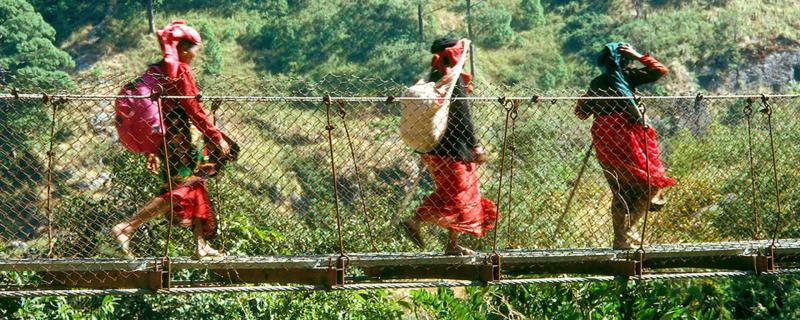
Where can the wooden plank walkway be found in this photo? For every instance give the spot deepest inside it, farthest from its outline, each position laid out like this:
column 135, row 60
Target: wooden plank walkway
column 688, row 251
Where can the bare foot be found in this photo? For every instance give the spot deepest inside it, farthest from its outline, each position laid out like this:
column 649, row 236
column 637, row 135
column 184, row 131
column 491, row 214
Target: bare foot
column 657, row 202
column 623, row 245
column 207, row 252
column 458, row 251
column 123, row 239
column 627, row 241
column 411, row 229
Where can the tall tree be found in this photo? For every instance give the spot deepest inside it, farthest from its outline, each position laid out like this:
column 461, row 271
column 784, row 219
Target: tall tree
column 27, row 53
column 30, row 62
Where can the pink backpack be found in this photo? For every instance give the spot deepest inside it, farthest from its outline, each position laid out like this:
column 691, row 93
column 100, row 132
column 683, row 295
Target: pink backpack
column 139, row 123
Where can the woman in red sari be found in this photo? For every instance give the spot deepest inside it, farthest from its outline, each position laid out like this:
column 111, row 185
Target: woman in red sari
column 456, row 204
column 191, row 206
column 620, row 139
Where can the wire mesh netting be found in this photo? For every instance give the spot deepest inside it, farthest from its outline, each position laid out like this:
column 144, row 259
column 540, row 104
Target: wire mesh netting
column 69, row 180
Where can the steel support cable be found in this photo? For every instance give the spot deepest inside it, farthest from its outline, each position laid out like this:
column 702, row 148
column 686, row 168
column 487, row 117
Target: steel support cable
column 778, row 224
column 343, row 114
column 641, row 252
column 470, row 98
column 508, row 109
column 214, row 107
column 389, row 285
column 342, row 260
column 514, row 114
column 373, row 99
column 156, row 97
column 50, row 154
column 748, row 111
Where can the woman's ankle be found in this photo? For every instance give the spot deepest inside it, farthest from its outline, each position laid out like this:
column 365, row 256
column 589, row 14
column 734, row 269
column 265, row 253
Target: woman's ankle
column 122, row 228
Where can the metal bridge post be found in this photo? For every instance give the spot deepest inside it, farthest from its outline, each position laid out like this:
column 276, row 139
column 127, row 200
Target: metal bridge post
column 160, row 277
column 341, row 269
column 494, row 264
column 639, row 262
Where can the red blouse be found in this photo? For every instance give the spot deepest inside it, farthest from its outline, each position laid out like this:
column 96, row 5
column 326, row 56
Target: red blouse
column 185, row 85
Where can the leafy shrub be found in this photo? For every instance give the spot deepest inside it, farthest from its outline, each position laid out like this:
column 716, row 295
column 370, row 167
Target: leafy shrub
column 529, row 14
column 492, row 26
column 317, row 40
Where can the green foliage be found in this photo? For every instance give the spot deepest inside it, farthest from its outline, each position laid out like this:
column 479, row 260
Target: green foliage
column 736, row 298
column 316, row 39
column 301, row 305
column 529, row 14
column 212, row 56
column 29, row 61
column 443, row 304
column 690, row 40
column 684, row 3
column 98, row 308
column 312, row 38
column 67, row 15
column 709, row 42
column 403, row 61
column 492, row 26
column 27, row 50
column 228, row 7
column 380, row 22
column 587, row 33
column 745, row 298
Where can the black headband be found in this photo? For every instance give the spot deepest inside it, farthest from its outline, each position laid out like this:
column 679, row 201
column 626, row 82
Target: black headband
column 443, row 43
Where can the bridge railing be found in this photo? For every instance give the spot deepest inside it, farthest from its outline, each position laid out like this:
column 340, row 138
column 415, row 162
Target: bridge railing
column 68, row 180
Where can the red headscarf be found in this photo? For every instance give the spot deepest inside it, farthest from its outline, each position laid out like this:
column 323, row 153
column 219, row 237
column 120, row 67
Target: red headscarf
column 169, row 37
column 453, row 55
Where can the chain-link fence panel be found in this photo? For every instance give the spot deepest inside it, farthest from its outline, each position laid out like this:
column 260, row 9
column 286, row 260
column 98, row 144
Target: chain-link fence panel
column 322, row 169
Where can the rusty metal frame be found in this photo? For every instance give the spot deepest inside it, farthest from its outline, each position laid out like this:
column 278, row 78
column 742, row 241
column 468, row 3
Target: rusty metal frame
column 154, row 279
column 609, row 267
column 474, row 272
column 334, row 269
column 317, row 276
column 105, row 280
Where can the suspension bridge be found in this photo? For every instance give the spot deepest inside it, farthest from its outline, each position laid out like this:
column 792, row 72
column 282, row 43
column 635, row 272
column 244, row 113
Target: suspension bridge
column 314, row 200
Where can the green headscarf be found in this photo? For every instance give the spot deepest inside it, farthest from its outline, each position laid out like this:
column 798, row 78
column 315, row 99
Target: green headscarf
column 613, row 62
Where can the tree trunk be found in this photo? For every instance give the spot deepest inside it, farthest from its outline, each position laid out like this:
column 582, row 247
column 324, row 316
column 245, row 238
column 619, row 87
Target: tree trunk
column 469, row 35
column 150, row 16
column 419, row 22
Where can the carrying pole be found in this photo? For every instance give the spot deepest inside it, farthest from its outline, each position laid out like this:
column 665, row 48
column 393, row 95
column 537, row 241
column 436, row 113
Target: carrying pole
column 560, row 221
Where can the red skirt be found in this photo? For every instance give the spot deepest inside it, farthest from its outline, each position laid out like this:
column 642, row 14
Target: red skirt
column 456, row 204
column 621, row 145
column 191, row 202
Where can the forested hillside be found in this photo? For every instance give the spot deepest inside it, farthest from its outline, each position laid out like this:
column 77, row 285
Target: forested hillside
column 720, row 45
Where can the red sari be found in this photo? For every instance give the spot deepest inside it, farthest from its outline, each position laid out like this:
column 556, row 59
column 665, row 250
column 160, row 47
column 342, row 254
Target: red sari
column 456, row 204
column 192, row 203
column 621, row 145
